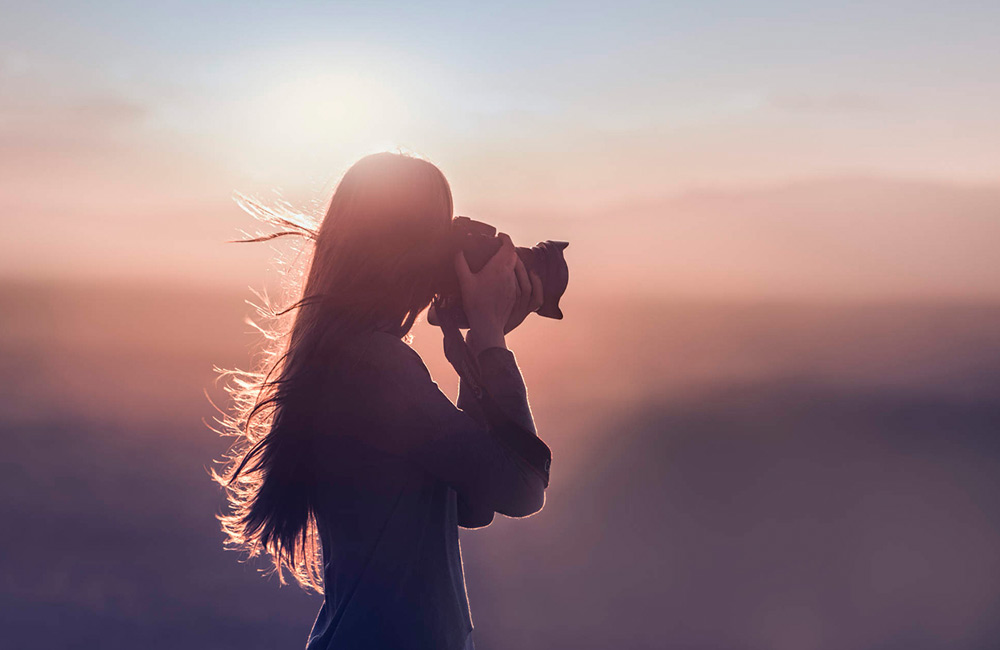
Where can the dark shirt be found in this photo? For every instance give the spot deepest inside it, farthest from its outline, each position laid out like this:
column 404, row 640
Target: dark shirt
column 401, row 469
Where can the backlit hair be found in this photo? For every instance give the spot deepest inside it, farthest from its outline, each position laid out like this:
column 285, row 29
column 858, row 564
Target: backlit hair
column 370, row 267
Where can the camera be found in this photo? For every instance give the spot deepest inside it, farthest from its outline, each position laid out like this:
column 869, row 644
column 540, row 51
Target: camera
column 479, row 242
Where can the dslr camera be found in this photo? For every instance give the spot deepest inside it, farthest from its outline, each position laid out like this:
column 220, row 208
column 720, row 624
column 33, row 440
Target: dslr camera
column 479, row 242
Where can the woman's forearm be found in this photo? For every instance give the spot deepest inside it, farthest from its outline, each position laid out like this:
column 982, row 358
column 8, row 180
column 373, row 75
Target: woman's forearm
column 483, row 339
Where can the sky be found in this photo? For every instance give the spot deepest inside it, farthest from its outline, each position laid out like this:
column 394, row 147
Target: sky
column 838, row 459
column 126, row 128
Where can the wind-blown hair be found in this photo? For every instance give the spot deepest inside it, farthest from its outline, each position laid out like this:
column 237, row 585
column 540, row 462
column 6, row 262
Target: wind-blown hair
column 372, row 266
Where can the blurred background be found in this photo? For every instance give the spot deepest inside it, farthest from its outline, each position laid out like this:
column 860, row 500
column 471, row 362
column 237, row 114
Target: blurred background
column 773, row 403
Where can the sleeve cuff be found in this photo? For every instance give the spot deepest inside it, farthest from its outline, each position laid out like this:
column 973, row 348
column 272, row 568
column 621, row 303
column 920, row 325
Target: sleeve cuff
column 504, row 395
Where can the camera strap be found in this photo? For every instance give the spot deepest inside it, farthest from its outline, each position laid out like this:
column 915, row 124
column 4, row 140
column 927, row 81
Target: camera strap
column 456, row 350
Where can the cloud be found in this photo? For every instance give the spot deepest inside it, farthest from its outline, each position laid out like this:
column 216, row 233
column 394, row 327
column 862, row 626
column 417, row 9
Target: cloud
column 840, row 102
column 54, row 116
column 26, row 113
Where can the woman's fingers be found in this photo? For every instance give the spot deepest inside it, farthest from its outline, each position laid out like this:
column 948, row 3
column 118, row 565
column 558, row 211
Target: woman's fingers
column 462, row 268
column 503, row 260
column 523, row 296
column 507, row 255
column 537, row 292
column 513, row 291
column 523, row 283
column 523, row 290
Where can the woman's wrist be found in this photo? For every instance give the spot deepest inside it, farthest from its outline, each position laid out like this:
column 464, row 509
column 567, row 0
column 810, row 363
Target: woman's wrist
column 484, row 339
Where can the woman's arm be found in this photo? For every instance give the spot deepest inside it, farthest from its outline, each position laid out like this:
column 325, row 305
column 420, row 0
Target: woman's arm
column 490, row 456
column 472, row 515
column 509, row 395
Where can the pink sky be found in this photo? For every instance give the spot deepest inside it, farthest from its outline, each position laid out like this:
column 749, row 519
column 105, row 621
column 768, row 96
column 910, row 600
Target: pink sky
column 800, row 152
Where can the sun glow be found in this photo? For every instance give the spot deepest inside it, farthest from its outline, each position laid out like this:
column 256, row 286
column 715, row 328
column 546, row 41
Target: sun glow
column 332, row 107
column 304, row 118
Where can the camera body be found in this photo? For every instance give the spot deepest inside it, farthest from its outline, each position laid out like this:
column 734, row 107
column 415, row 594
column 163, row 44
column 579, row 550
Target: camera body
column 479, row 243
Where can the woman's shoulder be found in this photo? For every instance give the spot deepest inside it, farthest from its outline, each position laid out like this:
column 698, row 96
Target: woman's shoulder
column 389, row 377
column 387, row 352
column 369, row 365
column 374, row 353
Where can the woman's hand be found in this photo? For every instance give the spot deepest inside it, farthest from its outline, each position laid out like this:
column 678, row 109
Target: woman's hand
column 490, row 296
column 529, row 295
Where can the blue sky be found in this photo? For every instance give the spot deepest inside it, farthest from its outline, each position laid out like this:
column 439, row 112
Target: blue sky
column 892, row 74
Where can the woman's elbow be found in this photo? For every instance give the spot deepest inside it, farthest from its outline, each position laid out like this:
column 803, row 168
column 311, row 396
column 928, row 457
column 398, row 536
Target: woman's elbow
column 525, row 501
column 472, row 517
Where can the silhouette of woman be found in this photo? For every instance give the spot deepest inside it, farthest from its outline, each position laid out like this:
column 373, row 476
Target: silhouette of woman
column 351, row 469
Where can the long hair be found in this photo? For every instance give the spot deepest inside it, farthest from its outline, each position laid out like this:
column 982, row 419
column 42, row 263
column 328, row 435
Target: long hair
column 372, row 266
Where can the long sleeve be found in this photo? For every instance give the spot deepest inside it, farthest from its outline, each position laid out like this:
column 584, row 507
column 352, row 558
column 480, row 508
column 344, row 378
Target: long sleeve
column 508, row 393
column 472, row 515
column 488, row 451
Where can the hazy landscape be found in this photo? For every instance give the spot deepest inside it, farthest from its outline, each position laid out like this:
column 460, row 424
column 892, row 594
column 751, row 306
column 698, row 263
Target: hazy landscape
column 774, row 402
column 741, row 474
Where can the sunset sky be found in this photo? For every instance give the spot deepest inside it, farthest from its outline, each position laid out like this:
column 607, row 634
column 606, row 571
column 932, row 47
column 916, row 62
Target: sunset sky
column 772, row 404
column 715, row 148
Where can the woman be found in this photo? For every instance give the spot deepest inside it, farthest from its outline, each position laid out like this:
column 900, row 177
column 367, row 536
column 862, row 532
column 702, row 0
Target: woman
column 352, row 470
